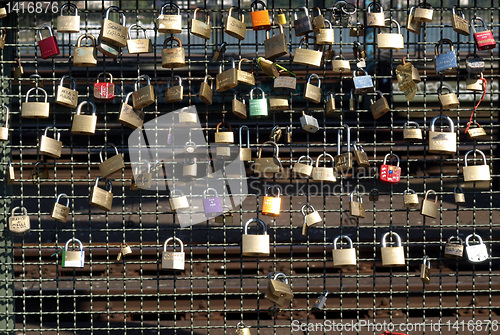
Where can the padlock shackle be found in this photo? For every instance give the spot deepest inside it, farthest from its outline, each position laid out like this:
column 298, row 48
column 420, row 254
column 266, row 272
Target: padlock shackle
column 356, row 145
column 63, row 195
column 339, row 142
column 374, row 4
column 473, row 235
column 254, row 5
column 179, row 80
column 457, row 238
column 79, row 107
column 104, row 74
column 276, row 149
column 41, row 27
column 474, row 19
column 173, row 239
column 456, row 9
column 359, row 196
column 36, row 89
column 23, row 210
column 137, row 27
column 409, row 191
column 427, row 262
column 7, row 115
column 344, row 7
column 409, row 123
column 303, row 39
column 174, row 192
column 245, row 60
column 222, row 63
column 279, row 26
column 310, row 209
column 241, row 325
column 207, row 14
column 330, row 26
column 259, row 221
column 86, row 36
column 141, row 77
column 329, row 96
column 299, row 9
column 67, row 76
column 273, row 187
column 441, row 117
column 257, row 88
column 69, row 4
column 314, row 76
column 384, row 239
column 171, row 5
column 391, row 21
column 458, row 188
column 357, row 70
column 309, row 159
column 73, row 240
column 138, row 166
column 241, row 136
column 172, row 39
column 475, row 150
column 279, row 275
column 431, row 192
column 119, row 11
column 127, row 97
column 443, row 41
column 440, row 89
column 340, row 238
column 208, row 190
column 237, row 9
column 325, row 155
column 103, row 149
column 54, row 130
column 106, row 180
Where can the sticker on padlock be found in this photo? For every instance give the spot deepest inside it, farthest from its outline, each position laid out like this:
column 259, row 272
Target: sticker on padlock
column 479, row 172
column 476, row 253
column 255, row 245
column 271, row 204
column 105, row 90
column 389, row 173
column 73, row 258
column 173, row 260
column 60, row 212
column 84, row 124
column 212, row 205
column 19, row 224
column 343, row 257
column 392, row 256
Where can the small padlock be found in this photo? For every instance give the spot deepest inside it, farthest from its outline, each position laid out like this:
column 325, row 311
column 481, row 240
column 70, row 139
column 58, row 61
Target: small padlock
column 260, row 17
column 281, row 17
column 212, row 204
column 318, row 21
column 60, row 212
column 85, row 56
column 139, row 45
column 125, row 250
column 475, row 132
column 391, row 40
column 309, row 123
column 307, row 57
column 424, row 12
column 320, row 303
column 242, row 329
column 275, row 46
column 111, row 32
column 36, row 81
column 3, row 36
column 286, row 82
column 410, row 198
column 362, row 84
column 389, row 173
column 359, row 54
column 173, row 57
column 446, row 61
column 357, row 30
column 304, row 169
column 425, row 271
column 374, row 195
column 459, row 195
column 329, row 103
column 311, row 92
column 173, row 260
column 35, row 110
column 475, row 84
column 170, row 23
column 206, row 90
column 302, row 26
column 392, row 256
column 476, row 172
column 234, row 27
column 412, row 134
column 278, row 101
column 129, row 116
column 474, row 64
column 268, row 67
column 38, row 175
column 325, row 36
column 84, row 124
column 105, row 90
column 447, row 100
column 227, row 79
column 224, row 136
column 360, row 155
column 68, row 23
column 430, row 208
column 324, row 174
column 49, row 146
column 476, row 253
column 143, row 96
column 442, row 142
column 19, row 70
column 102, row 198
column 268, row 165
column 245, row 153
column 111, row 165
column 271, row 205
column 67, row 96
column 255, row 244
column 73, row 258
column 454, row 250
column 375, row 19
column 108, row 49
column 10, row 174
column 484, row 39
column 343, row 257
column 4, row 131
column 200, row 28
column 258, row 107
column 343, row 161
column 48, row 46
column 459, row 22
column 178, row 203
column 174, row 93
column 356, row 207
column 279, row 286
column 19, row 224
column 142, row 178
column 411, row 24
column 340, row 65
column 380, row 107
column 244, row 77
column 311, row 216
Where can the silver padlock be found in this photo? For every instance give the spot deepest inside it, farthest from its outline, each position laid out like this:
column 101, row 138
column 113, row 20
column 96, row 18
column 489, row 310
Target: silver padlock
column 73, row 258
column 172, row 260
column 320, row 303
column 309, row 123
column 476, row 253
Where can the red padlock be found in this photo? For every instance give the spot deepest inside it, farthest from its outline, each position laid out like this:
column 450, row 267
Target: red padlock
column 484, row 39
column 260, row 18
column 390, row 173
column 48, row 46
column 104, row 91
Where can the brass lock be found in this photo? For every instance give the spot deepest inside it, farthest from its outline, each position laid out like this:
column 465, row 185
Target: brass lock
column 340, row 65
column 286, row 82
column 170, row 23
column 475, row 132
column 60, row 212
column 271, row 204
column 4, row 131
column 242, row 329
column 275, row 46
column 108, row 49
column 324, row 174
column 142, row 178
column 425, row 271
column 424, row 12
column 459, row 195
column 312, row 93
column 459, row 22
column 10, row 174
column 200, row 28
column 36, row 81
column 343, row 257
column 452, row 249
column 190, row 168
column 255, row 245
column 318, row 21
column 475, row 83
column 228, row 79
column 278, row 101
column 268, row 67
column 343, row 161
column 329, row 103
column 224, row 136
column 174, row 93
column 125, row 250
column 325, row 36
column 476, row 172
column 375, row 19
column 360, row 155
column 112, row 32
column 186, row 117
column 447, row 100
column 234, row 27
column 178, row 203
column 85, row 56
column 311, row 216
column 35, row 110
column 19, row 224
column 429, row 208
column 173, row 260
column 244, row 77
column 111, row 165
column 207, row 90
column 412, row 134
column 49, row 146
column 304, row 169
column 410, row 198
column 173, row 57
column 19, row 70
column 245, row 153
column 140, row 45
column 67, row 96
column 279, row 287
column 84, row 124
column 268, row 166
column 392, row 256
column 129, row 116
column 68, row 23
column 356, row 207
column 143, row 96
column 391, row 40
column 442, row 142
column 102, row 198
column 307, row 57
column 380, row 107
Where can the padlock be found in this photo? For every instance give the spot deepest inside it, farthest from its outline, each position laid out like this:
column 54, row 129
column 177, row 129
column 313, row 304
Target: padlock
column 424, row 12
column 459, row 195
column 484, row 39
column 356, row 207
column 391, row 40
column 73, row 258
column 476, row 253
column 129, row 116
column 206, row 90
column 430, row 208
column 19, row 224
column 125, row 250
column 307, row 57
column 343, row 257
column 375, row 19
column 105, row 90
column 411, row 24
column 143, row 96
column 85, row 56
column 474, row 64
column 244, row 77
column 415, row 76
column 139, row 45
column 67, row 96
column 260, row 17
column 60, row 212
column 68, row 23
column 459, row 22
column 200, row 28
column 476, row 172
column 48, row 46
column 239, row 108
column 446, row 61
column 268, row 165
column 170, row 23
column 4, row 131
column 187, row 118
column 341, row 14
column 318, row 21
column 353, row 101
column 340, row 65
column 389, row 173
column 3, row 36
column 475, row 84
column 320, row 303
column 309, row 123
column 224, row 136
column 380, row 107
column 410, row 198
column 329, row 103
column 3, row 12
column 362, row 84
column 357, row 30
column 19, row 70
column 173, row 260
column 360, row 55
column 111, row 165
column 312, row 93
column 35, row 110
column 360, row 155
column 178, row 203
column 102, row 198
column 392, row 256
column 242, row 329
column 108, row 49
column 304, row 169
column 268, row 67
column 279, row 286
column 51, row 146
column 374, row 195
column 111, row 32
column 226, row 217
column 36, row 81
column 227, row 79
column 258, row 107
column 275, row 46
column 325, row 36
column 442, row 142
column 324, row 174
column 303, row 26
column 142, row 178
column 281, row 17
column 255, row 244
column 454, row 250
column 10, row 174
column 84, row 124
column 475, row 132
column 212, row 205
column 343, row 161
column 311, row 216
column 425, row 271
column 38, row 175
column 412, row 134
column 245, row 153
column 278, row 101
column 271, row 204
column 234, row 27
column 173, row 57
column 175, row 92
column 447, row 100
column 277, row 300
column 286, row 82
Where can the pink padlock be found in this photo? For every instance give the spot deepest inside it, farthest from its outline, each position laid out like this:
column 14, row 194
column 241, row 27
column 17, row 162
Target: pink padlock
column 104, row 91
column 48, row 46
column 484, row 39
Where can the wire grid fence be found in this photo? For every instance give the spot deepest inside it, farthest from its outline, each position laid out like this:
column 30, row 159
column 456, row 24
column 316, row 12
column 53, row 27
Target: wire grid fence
column 219, row 287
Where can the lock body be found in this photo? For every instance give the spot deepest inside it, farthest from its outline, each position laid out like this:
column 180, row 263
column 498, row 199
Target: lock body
column 67, row 96
column 460, row 24
column 363, row 84
column 212, row 207
column 50, row 147
column 84, row 124
column 476, row 173
column 449, row 100
column 255, row 245
column 390, row 173
column 357, row 209
column 111, row 165
column 307, row 57
column 411, row 200
column 271, row 206
column 60, row 212
column 235, row 27
column 19, row 224
column 258, row 108
column 442, row 142
column 275, row 46
column 48, row 47
column 324, row 174
column 85, row 56
column 226, row 80
column 35, row 110
column 179, row 203
column 113, row 33
column 446, row 62
column 104, row 91
column 393, row 256
column 425, row 274
column 206, row 93
column 344, row 257
column 430, row 209
column 172, row 260
column 309, row 123
column 454, row 250
column 379, row 108
column 130, row 117
column 101, row 199
column 285, row 82
column 73, row 259
column 477, row 253
column 484, row 40
column 174, row 94
column 312, row 93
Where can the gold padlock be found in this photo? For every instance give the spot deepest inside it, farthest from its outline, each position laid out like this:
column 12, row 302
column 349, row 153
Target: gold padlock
column 67, row 96
column 187, row 117
column 392, row 256
column 343, row 161
column 143, row 96
column 412, row 134
column 447, row 100
column 173, row 57
column 326, row 174
column 4, row 131
column 380, row 107
column 325, row 36
column 170, row 23
column 102, row 198
column 424, row 12
column 288, row 81
column 224, row 136
column 268, row 67
column 280, row 288
column 265, row 166
column 49, row 146
column 206, row 90
column 140, row 45
column 35, row 110
column 429, row 208
column 129, row 116
column 19, row 224
column 85, row 56
column 242, row 329
column 36, row 81
column 275, row 46
column 360, row 155
column 340, row 65
column 200, row 28
column 375, row 19
column 343, row 257
column 178, row 203
column 425, row 271
column 3, row 36
column 391, row 40
column 307, row 57
column 475, row 84
column 454, row 250
column 271, row 205
column 112, row 32
column 68, row 23
column 304, row 169
column 111, row 165
column 3, row 12
column 356, row 207
column 60, row 212
column 476, row 172
column 255, row 245
column 329, row 103
column 459, row 195
column 245, row 153
column 239, row 108
column 234, row 27
column 311, row 216
column 19, row 70
column 459, row 22
column 228, row 79
column 125, row 250
column 442, row 142
column 475, row 132
column 10, row 174
column 311, row 92
column 141, row 178
column 413, row 25
column 84, row 124
column 244, row 77
column 278, row 101
column 410, row 198
column 174, row 93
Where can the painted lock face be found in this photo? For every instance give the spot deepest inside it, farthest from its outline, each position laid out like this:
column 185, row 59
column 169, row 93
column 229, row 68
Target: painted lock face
column 389, row 173
column 445, row 61
column 476, row 253
column 48, row 45
column 260, row 16
column 484, row 39
column 104, row 90
column 85, row 55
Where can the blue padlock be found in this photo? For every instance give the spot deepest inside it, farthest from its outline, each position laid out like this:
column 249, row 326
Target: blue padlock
column 362, row 84
column 446, row 61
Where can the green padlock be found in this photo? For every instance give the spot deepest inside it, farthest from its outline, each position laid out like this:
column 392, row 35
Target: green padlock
column 258, row 107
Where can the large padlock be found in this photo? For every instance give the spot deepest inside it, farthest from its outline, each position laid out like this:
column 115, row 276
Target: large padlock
column 286, row 82
column 268, row 165
column 410, row 198
column 484, row 39
column 425, row 271
column 476, row 253
column 170, row 23
column 447, row 100
column 412, row 134
column 389, row 173
column 318, row 21
column 356, row 206
column 174, row 93
column 325, row 36
column 108, row 49
column 239, row 107
column 424, row 12
column 242, row 329
column 340, row 65
column 178, row 203
column 139, row 45
column 255, row 244
column 245, row 153
column 304, row 169
column 430, row 208
column 275, row 46
column 442, row 142
column 343, row 257
column 234, row 27
column 459, row 22
column 459, row 195
column 227, row 79
column 454, row 250
column 4, row 131
column 303, row 25
column 392, row 256
column 260, row 17
column 129, row 116
column 108, row 166
column 320, row 302
column 114, row 33
column 360, row 155
column 474, row 64
column 311, row 216
column 85, row 56
column 278, row 101
column 313, row 93
column 173, row 260
column 446, row 61
column 343, row 161
column 48, row 46
column 375, row 19
column 271, row 203
column 49, row 146
column 309, row 123
column 207, row 90
column 67, row 96
column 59, row 211
column 224, row 136
column 212, row 205
column 102, row 198
column 19, row 224
column 324, row 174
column 84, row 124
column 73, row 258
column 173, row 56
column 280, row 288
column 245, row 77
column 411, row 24
column 380, row 107
column 362, row 84
column 329, row 103
column 143, row 96
column 258, row 107
column 105, row 90
column 391, row 40
column 307, row 57
column 476, row 172
column 200, row 28
column 475, row 130
column 68, row 23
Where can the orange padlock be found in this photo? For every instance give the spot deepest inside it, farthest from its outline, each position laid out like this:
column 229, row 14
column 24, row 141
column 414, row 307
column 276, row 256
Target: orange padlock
column 260, row 18
column 272, row 204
